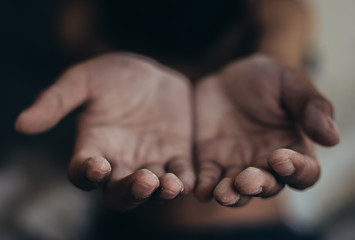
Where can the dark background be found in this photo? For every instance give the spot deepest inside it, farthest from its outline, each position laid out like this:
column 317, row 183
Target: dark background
column 30, row 61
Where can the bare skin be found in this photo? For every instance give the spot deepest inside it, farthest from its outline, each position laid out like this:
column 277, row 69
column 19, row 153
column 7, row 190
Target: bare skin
column 255, row 121
column 137, row 115
column 134, row 132
column 256, row 124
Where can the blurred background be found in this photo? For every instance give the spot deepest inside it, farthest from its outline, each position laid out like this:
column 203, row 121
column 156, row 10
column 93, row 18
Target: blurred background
column 36, row 199
column 331, row 203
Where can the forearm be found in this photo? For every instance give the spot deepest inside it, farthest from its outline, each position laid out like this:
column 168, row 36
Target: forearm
column 286, row 30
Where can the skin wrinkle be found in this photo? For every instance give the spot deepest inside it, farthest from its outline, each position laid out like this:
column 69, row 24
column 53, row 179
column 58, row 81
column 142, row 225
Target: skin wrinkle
column 264, row 109
column 98, row 174
column 247, row 174
column 138, row 103
column 261, row 63
column 159, row 112
column 217, row 143
column 232, row 155
column 255, row 122
column 286, row 167
column 227, row 200
column 125, row 116
column 172, row 184
column 208, row 166
column 149, row 183
column 143, row 139
column 261, row 144
column 137, row 143
column 253, row 136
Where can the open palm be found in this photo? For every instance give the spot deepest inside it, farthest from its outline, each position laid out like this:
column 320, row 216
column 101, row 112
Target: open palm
column 134, row 132
column 255, row 124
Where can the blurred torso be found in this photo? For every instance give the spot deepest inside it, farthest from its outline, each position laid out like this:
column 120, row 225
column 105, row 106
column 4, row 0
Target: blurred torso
column 195, row 38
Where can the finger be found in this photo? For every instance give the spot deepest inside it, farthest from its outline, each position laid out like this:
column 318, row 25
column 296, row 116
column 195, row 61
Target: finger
column 226, row 195
column 208, row 177
column 313, row 111
column 296, row 170
column 257, row 182
column 88, row 173
column 170, row 186
column 184, row 170
column 67, row 93
column 318, row 123
column 126, row 193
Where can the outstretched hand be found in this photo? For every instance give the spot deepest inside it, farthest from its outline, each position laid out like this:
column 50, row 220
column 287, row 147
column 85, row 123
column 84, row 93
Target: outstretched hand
column 256, row 124
column 134, row 133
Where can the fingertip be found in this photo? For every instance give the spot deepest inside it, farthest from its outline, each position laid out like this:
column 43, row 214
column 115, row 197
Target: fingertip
column 280, row 162
column 125, row 192
column 31, row 121
column 249, row 181
column 225, row 194
column 89, row 173
column 19, row 123
column 98, row 169
column 319, row 124
column 294, row 169
column 332, row 134
column 183, row 169
column 144, row 184
column 257, row 182
column 23, row 122
column 171, row 186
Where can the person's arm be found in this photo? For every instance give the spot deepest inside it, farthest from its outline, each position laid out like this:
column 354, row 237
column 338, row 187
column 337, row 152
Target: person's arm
column 286, row 27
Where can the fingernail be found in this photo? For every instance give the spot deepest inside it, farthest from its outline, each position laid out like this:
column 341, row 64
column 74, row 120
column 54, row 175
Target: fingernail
column 284, row 168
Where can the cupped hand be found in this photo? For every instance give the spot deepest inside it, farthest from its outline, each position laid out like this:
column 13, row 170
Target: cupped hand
column 134, row 132
column 257, row 122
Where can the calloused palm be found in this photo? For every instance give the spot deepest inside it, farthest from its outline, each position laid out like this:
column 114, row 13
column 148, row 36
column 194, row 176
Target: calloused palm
column 134, row 133
column 255, row 124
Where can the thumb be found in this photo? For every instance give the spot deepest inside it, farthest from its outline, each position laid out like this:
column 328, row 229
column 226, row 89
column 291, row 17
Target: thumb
column 309, row 107
column 67, row 93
